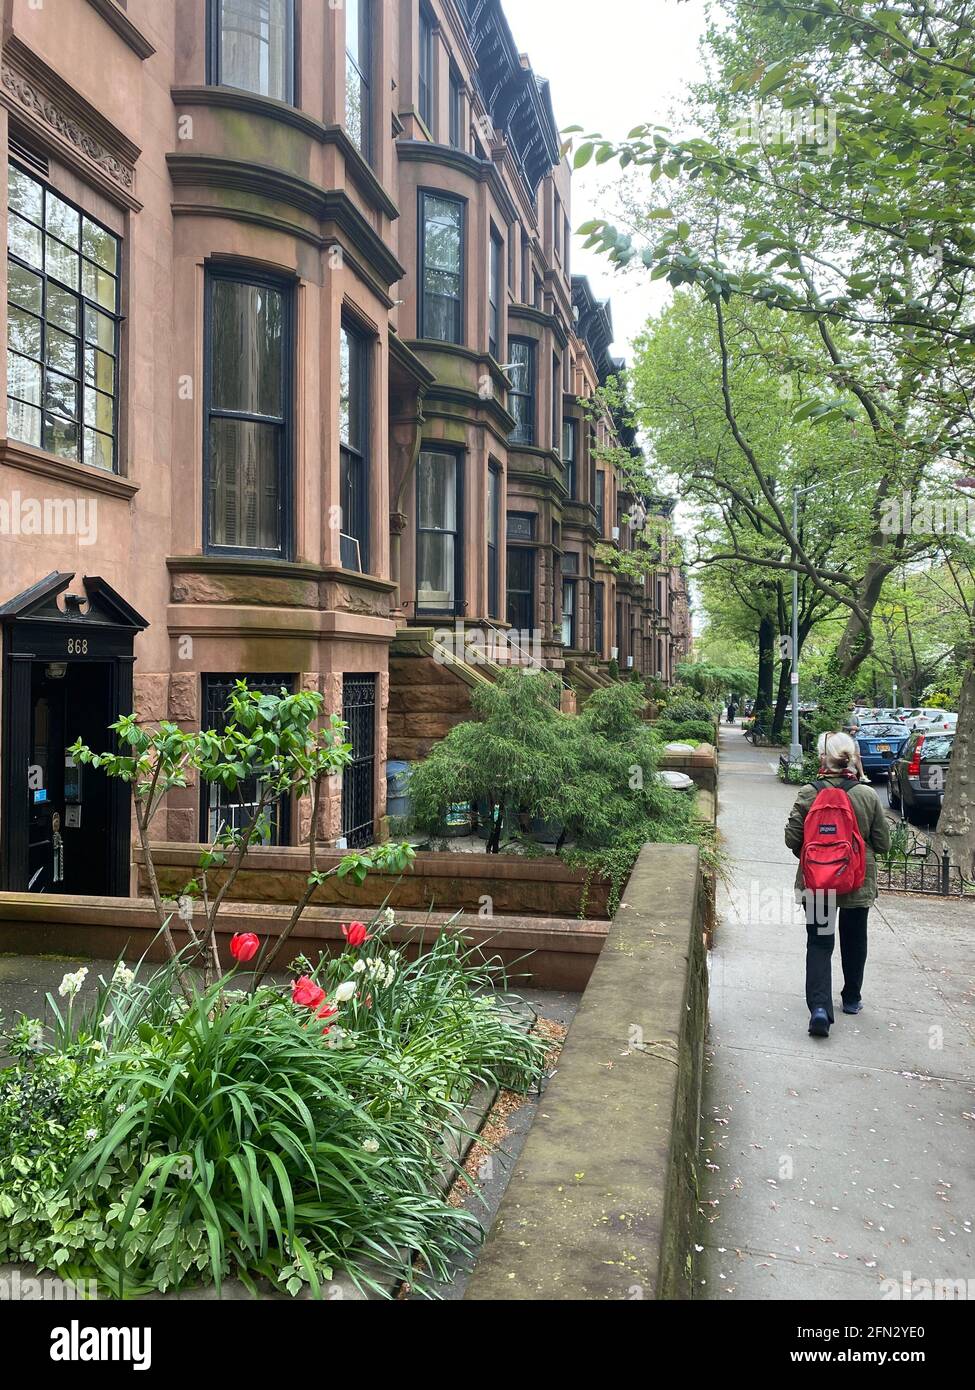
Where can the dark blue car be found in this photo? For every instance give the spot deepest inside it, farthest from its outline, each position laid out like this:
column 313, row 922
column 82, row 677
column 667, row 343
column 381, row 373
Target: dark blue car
column 880, row 743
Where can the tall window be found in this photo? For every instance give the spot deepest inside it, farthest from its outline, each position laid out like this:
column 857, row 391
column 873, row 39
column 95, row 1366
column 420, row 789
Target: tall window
column 442, row 268
column 353, row 441
column 556, row 402
column 457, row 133
column 252, row 46
column 569, row 437
column 599, row 619
column 521, row 397
column 439, row 552
column 525, row 270
column 358, row 71
column 248, row 413
column 62, row 325
column 601, row 502
column 425, row 86
column 495, row 291
column 493, row 540
column 521, row 587
column 223, row 809
column 557, row 225
column 570, row 585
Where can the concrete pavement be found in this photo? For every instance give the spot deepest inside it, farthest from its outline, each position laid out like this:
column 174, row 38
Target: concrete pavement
column 834, row 1167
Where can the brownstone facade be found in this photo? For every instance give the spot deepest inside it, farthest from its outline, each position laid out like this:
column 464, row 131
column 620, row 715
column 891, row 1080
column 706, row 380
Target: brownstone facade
column 294, row 370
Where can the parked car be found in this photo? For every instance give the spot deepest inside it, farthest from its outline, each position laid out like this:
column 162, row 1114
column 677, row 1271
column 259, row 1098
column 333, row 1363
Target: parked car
column 870, row 714
column 933, row 720
column 880, row 743
column 916, row 779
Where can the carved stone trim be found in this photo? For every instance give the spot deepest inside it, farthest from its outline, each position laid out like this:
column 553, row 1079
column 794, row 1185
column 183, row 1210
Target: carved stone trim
column 63, row 118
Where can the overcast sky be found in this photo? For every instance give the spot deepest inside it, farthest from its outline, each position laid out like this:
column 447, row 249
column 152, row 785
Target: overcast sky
column 613, row 64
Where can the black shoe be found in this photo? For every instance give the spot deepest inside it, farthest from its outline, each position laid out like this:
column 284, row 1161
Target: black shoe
column 856, row 1008
column 819, row 1024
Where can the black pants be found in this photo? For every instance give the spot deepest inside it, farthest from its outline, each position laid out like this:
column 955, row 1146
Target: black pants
column 820, row 940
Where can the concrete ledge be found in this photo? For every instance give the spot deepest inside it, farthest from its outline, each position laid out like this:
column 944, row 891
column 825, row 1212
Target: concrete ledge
column 561, row 951
column 701, row 766
column 602, row 1202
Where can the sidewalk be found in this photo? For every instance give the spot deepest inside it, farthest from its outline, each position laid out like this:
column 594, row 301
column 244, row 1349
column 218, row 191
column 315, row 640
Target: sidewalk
column 838, row 1163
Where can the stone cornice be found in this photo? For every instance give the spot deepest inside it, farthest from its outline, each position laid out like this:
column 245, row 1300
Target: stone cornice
column 268, row 108
column 66, row 124
column 477, row 169
column 76, row 475
column 124, row 27
column 262, row 181
column 276, row 569
column 538, row 316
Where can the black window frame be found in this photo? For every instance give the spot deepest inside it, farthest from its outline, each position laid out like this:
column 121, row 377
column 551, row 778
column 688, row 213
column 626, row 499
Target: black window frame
column 526, row 429
column 495, row 481
column 216, row 273
column 211, row 682
column 82, row 343
column 460, row 316
column 558, row 405
column 456, row 135
column 495, row 292
column 599, row 617
column 355, row 460
column 436, row 446
column 599, row 501
column 214, row 56
column 425, row 103
column 524, row 598
column 570, row 445
column 364, row 69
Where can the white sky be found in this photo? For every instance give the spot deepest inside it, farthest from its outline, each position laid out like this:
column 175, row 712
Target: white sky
column 613, row 64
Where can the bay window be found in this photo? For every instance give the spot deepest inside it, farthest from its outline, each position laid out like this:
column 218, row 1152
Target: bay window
column 63, row 272
column 439, row 547
column 354, row 386
column 248, row 414
column 493, row 538
column 252, row 46
column 569, row 436
column 521, row 396
column 358, row 72
column 494, row 296
column 441, row 268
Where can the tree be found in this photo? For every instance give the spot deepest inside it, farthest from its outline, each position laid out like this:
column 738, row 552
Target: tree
column 272, row 742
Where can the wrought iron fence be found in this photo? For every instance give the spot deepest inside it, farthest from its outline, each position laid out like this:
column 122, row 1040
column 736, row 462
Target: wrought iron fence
column 923, row 870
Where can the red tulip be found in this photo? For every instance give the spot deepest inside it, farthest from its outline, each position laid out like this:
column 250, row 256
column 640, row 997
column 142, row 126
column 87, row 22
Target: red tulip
column 244, row 946
column 355, row 934
column 307, row 993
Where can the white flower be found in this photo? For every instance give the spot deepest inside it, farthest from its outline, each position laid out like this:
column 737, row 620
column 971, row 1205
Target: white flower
column 345, row 992
column 336, row 1038
column 371, row 1146
column 35, row 1036
column 72, row 983
column 359, row 966
column 107, row 1021
column 389, row 917
column 123, row 975
column 91, row 1134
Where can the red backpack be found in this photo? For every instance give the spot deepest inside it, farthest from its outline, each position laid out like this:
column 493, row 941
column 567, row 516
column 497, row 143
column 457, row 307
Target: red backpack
column 834, row 857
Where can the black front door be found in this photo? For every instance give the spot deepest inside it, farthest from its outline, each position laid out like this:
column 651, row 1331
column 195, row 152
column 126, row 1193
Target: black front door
column 68, row 806
column 67, row 675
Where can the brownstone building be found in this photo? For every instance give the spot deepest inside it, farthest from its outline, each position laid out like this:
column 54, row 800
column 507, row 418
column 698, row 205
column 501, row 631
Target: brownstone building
column 294, row 372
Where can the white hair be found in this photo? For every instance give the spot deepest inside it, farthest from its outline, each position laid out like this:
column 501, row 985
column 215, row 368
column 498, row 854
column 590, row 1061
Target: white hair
column 837, row 752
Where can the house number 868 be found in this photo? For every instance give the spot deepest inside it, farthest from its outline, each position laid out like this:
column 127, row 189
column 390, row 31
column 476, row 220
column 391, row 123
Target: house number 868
column 77, row 646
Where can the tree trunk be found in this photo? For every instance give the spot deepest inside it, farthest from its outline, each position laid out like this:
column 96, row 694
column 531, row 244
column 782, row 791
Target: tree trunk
column 781, row 700
column 856, row 643
column 766, row 669
column 956, row 828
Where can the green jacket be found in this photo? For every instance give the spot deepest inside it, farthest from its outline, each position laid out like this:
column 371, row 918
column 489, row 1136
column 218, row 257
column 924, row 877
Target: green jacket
column 874, row 828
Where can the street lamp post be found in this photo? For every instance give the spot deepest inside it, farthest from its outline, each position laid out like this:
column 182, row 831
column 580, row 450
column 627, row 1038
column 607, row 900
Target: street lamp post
column 795, row 747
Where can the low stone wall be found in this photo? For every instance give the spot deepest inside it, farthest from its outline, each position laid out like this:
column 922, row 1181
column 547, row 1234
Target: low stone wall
column 602, row 1201
column 701, row 766
column 549, row 953
column 503, row 884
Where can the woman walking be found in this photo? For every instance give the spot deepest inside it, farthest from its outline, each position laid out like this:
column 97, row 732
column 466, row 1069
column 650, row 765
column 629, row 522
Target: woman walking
column 836, row 848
